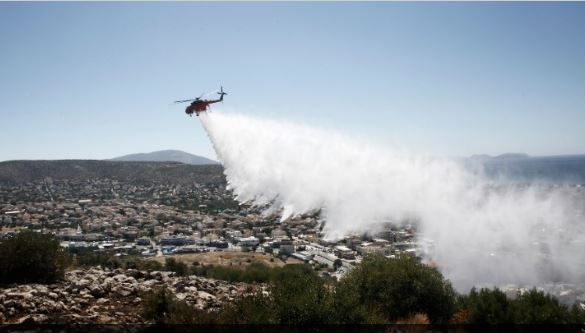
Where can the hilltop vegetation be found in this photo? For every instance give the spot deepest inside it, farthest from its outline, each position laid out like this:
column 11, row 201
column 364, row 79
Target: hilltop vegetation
column 32, row 257
column 18, row 172
column 378, row 291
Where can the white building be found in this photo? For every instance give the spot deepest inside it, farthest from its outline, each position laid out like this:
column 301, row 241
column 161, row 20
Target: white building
column 248, row 241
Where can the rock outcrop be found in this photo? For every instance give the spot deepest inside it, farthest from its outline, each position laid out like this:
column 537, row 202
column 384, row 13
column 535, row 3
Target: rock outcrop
column 103, row 296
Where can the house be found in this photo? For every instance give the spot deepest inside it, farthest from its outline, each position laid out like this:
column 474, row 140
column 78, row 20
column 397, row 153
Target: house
column 344, row 252
column 278, row 234
column 325, row 259
column 302, row 256
column 143, row 241
column 177, row 241
column 369, row 248
column 286, row 247
column 248, row 241
column 220, row 244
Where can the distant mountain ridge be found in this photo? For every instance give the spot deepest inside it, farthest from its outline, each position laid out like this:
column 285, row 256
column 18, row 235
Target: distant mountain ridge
column 18, row 172
column 565, row 169
column 506, row 156
column 167, row 156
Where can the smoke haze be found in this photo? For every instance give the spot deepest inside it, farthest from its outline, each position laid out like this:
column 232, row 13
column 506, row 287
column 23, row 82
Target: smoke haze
column 478, row 232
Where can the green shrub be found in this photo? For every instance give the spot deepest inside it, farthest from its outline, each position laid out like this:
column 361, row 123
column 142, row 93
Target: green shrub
column 536, row 307
column 162, row 307
column 349, row 308
column 88, row 258
column 176, row 266
column 257, row 272
column 201, row 270
column 397, row 288
column 377, row 291
column 487, row 307
column 32, row 257
column 253, row 273
column 577, row 314
column 150, row 265
column 250, row 309
column 300, row 297
column 533, row 307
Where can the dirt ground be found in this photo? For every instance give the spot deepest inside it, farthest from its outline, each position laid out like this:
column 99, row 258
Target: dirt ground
column 234, row 259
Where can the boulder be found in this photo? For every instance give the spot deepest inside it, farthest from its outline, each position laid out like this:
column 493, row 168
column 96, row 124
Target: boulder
column 96, row 291
column 102, row 296
column 32, row 319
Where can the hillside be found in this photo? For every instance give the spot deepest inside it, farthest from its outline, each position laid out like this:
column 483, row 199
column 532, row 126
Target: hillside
column 167, row 156
column 108, row 297
column 551, row 169
column 17, row 172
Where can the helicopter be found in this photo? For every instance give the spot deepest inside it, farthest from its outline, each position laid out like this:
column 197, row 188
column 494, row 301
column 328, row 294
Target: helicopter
column 201, row 105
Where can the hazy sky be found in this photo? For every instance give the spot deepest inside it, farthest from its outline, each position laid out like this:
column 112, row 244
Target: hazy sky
column 96, row 80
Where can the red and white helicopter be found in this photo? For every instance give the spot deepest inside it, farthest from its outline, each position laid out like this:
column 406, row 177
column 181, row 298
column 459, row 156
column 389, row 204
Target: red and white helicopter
column 201, row 105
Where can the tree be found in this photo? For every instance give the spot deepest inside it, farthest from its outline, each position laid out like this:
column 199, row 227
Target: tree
column 397, row 288
column 337, row 263
column 491, row 307
column 150, row 265
column 349, row 308
column 176, row 266
column 250, row 309
column 300, row 297
column 487, row 307
column 577, row 314
column 536, row 307
column 31, row 257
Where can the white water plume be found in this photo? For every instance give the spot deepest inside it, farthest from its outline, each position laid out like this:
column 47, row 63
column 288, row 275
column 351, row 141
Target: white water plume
column 481, row 233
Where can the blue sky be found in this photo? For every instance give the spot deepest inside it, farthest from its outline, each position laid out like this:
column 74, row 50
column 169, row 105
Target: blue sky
column 95, row 80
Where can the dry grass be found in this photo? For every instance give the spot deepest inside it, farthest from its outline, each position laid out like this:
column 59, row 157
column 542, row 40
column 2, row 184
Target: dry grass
column 233, row 259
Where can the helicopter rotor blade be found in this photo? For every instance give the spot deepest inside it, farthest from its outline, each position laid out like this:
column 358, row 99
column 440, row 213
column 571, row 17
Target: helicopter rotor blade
column 203, row 95
column 207, row 94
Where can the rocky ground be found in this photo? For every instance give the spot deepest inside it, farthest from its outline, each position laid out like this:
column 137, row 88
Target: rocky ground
column 103, row 296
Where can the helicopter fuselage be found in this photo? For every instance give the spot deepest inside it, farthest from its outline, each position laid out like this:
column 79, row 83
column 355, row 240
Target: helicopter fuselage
column 201, row 105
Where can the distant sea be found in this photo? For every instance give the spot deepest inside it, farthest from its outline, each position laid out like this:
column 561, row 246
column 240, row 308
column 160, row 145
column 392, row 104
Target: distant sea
column 567, row 169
